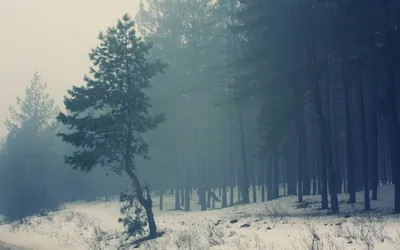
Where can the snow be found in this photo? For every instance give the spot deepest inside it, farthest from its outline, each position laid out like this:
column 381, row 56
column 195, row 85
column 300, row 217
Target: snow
column 278, row 224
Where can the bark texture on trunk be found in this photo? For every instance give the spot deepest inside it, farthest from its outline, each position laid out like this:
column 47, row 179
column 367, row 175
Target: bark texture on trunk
column 145, row 202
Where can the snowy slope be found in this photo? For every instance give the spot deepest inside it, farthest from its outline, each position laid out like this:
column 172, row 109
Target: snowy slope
column 272, row 225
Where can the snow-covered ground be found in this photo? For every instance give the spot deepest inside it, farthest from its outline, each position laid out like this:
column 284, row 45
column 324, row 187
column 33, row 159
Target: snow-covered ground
column 280, row 224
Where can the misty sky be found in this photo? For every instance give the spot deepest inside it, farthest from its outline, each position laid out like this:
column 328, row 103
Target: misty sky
column 53, row 37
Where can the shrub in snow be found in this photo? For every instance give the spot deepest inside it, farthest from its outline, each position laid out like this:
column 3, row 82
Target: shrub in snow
column 133, row 219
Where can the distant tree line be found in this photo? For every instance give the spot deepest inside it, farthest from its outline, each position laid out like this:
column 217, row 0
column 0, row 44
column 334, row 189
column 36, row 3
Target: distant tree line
column 33, row 176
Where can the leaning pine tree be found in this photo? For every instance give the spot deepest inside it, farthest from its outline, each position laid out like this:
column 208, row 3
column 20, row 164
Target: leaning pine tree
column 108, row 115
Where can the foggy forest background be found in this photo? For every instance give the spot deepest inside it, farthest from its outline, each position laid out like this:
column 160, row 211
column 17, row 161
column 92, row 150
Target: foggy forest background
column 258, row 95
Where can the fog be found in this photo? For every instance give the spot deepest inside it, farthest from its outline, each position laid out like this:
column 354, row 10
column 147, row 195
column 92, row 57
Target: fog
column 199, row 124
column 53, row 37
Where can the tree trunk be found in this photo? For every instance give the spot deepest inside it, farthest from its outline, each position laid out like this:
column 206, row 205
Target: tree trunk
column 161, row 199
column 306, row 178
column 291, row 175
column 390, row 105
column 245, row 182
column 231, row 167
column 324, row 179
column 202, row 189
column 364, row 144
column 314, row 186
column 306, row 168
column 231, row 191
column 302, row 157
column 254, row 174
column 225, row 176
column 382, row 155
column 182, row 197
column 300, row 170
column 146, row 203
column 276, row 177
column 348, row 138
column 208, row 199
column 239, row 192
column 224, row 198
column 394, row 140
column 187, row 199
column 213, row 200
column 372, row 125
column 270, row 189
column 151, row 222
column 263, row 192
column 177, row 199
column 262, row 171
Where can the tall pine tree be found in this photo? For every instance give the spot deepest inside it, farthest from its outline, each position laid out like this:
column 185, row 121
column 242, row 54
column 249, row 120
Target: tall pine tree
column 28, row 154
column 109, row 114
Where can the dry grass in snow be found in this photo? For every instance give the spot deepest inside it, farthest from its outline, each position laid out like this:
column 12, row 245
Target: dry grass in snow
column 279, row 224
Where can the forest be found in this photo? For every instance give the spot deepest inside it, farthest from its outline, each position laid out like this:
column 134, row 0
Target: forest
column 276, row 98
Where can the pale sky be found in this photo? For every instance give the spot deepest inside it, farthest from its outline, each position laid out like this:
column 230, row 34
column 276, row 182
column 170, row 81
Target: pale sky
column 53, row 37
